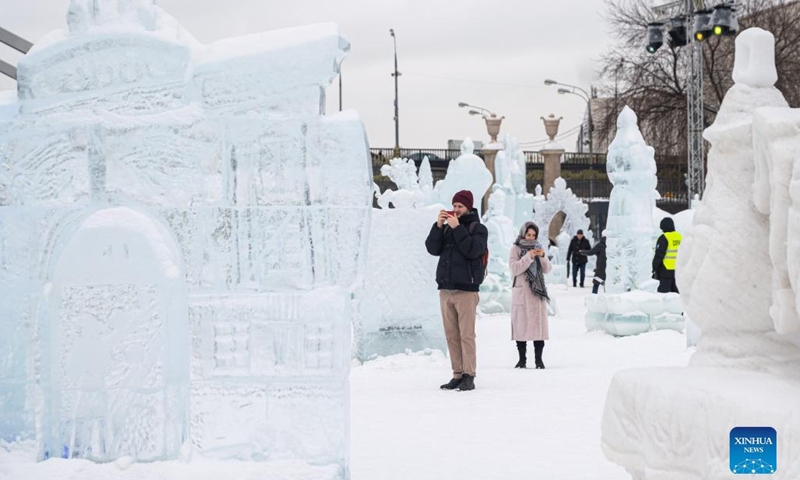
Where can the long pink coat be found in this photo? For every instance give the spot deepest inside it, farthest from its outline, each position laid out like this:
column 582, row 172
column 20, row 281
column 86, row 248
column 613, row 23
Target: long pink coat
column 528, row 311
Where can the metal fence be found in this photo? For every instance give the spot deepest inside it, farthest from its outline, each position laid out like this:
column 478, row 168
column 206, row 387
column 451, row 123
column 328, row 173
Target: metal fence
column 585, row 173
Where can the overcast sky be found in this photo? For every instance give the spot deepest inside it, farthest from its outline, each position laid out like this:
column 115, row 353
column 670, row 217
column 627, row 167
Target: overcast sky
column 494, row 54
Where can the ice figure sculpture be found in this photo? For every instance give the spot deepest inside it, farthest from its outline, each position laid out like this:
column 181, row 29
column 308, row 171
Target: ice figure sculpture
column 630, row 304
column 467, row 172
column 630, row 234
column 674, row 422
column 185, row 214
column 412, row 192
column 399, row 305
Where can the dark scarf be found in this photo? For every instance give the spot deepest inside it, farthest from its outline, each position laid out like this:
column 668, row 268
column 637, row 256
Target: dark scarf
column 534, row 273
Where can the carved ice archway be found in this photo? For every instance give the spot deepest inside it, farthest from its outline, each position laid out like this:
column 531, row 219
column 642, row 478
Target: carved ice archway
column 560, row 199
column 118, row 338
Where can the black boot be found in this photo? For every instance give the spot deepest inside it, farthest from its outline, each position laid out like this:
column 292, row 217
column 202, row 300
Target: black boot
column 538, row 346
column 521, row 349
column 467, row 383
column 452, row 384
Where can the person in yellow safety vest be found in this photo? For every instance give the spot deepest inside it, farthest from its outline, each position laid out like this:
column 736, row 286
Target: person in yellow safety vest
column 666, row 253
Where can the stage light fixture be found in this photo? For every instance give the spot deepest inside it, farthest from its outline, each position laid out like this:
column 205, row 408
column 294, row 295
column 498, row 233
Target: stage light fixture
column 655, row 37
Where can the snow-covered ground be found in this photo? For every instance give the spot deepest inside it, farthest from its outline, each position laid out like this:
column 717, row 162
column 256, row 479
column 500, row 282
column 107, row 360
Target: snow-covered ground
column 515, row 424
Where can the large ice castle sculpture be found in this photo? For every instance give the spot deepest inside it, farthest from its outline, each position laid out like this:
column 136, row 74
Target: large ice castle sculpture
column 179, row 231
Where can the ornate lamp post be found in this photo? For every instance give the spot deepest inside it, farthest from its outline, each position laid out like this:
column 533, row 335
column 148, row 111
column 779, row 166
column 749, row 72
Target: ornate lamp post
column 493, row 122
column 573, row 90
column 551, row 153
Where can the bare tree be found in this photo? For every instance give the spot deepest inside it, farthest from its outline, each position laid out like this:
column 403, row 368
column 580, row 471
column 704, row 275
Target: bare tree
column 654, row 85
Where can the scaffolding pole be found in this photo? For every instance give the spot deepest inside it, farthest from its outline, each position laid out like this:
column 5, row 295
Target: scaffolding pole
column 696, row 175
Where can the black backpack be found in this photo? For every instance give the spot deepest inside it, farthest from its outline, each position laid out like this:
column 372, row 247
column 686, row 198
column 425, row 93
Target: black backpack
column 485, row 257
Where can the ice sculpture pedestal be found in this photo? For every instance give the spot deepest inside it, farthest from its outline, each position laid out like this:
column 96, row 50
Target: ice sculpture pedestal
column 632, row 313
column 674, row 423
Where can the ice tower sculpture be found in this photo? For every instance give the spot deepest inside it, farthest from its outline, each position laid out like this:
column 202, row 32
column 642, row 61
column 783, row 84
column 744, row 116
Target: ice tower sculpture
column 509, row 204
column 180, row 229
column 630, row 232
column 675, row 422
column 510, row 171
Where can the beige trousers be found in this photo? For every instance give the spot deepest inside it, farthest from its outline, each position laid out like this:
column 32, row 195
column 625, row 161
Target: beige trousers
column 458, row 316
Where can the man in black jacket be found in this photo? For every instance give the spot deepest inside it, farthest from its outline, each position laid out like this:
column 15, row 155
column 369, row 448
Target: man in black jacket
column 599, row 249
column 665, row 256
column 459, row 240
column 578, row 243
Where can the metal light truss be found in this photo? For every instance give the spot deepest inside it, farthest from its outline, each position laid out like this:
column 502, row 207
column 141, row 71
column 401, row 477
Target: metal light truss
column 695, row 178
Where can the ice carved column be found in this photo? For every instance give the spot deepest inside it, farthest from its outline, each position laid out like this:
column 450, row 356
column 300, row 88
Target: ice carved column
column 632, row 170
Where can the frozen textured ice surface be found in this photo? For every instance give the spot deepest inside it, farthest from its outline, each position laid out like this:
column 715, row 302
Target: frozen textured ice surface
column 399, row 307
column 181, row 231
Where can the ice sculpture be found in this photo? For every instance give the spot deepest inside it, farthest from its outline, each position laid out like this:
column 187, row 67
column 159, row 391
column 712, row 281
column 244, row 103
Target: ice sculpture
column 558, row 259
column 746, row 370
column 630, row 233
column 467, row 172
column 630, row 304
column 561, row 200
column 399, row 305
column 510, row 172
column 412, row 192
column 180, row 233
column 496, row 288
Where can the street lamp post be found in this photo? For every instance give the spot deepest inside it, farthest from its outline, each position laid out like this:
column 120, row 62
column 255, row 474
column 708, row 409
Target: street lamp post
column 492, row 121
column 396, row 75
column 489, row 152
column 586, row 97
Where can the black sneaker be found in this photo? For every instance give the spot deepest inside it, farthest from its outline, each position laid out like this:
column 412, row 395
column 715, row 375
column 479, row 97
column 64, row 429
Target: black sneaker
column 467, row 383
column 452, row 384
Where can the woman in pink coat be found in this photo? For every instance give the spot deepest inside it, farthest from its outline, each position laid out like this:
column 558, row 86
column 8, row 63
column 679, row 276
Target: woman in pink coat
column 529, row 294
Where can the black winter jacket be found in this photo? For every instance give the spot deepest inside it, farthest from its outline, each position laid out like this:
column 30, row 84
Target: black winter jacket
column 659, row 271
column 575, row 246
column 599, row 249
column 460, row 253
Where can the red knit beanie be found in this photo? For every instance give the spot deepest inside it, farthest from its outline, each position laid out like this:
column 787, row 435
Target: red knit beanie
column 464, row 197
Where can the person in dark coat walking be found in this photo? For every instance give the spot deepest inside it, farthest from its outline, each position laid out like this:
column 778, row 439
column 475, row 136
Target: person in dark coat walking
column 459, row 240
column 666, row 253
column 599, row 249
column 578, row 243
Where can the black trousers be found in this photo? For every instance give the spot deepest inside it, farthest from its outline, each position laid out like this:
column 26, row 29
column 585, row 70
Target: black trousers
column 575, row 268
column 666, row 285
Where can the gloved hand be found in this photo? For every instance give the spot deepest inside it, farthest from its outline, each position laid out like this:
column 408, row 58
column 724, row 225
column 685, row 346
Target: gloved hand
column 655, row 276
